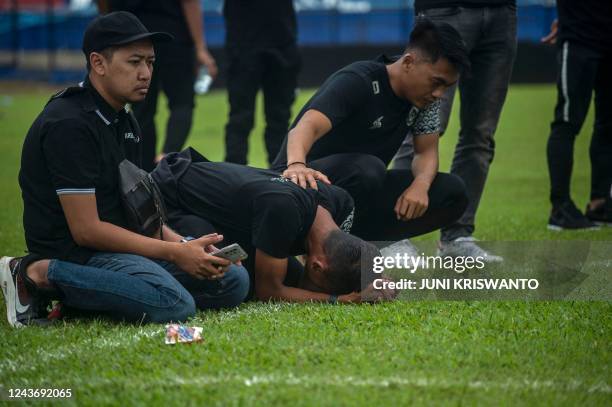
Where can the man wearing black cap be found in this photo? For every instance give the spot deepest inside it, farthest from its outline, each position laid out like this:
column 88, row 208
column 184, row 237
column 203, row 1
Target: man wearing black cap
column 80, row 250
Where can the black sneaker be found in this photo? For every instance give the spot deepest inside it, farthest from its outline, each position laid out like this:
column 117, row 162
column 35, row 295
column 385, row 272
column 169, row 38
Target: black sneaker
column 602, row 215
column 567, row 217
column 22, row 308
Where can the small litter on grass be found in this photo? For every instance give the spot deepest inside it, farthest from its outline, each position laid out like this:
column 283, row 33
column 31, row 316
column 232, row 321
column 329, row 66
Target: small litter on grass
column 176, row 333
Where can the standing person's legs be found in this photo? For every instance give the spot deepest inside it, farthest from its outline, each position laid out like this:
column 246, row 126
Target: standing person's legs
column 467, row 22
column 447, row 201
column 122, row 286
column 243, row 80
column 601, row 143
column 577, row 68
column 483, row 93
column 177, row 80
column 145, row 115
column 279, row 85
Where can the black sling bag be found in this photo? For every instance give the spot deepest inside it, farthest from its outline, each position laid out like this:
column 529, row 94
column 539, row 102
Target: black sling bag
column 142, row 201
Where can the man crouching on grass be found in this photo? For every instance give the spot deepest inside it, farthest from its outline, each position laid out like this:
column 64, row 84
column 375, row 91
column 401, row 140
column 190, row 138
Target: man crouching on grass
column 273, row 220
column 80, row 249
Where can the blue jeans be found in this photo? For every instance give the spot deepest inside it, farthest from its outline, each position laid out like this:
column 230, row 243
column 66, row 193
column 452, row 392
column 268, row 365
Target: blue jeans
column 134, row 288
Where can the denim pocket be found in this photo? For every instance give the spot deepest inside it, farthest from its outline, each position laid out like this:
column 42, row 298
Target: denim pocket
column 440, row 12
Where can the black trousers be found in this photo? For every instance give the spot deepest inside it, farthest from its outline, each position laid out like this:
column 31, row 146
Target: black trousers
column 275, row 72
column 376, row 190
column 174, row 73
column 582, row 70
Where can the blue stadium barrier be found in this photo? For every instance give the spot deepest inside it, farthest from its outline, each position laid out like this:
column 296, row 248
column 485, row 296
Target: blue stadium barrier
column 316, row 27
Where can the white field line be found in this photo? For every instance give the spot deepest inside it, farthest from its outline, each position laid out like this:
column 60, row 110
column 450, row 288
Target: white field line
column 41, row 357
column 352, row 381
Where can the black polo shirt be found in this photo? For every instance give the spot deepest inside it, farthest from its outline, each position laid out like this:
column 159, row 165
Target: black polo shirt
column 73, row 147
column 366, row 115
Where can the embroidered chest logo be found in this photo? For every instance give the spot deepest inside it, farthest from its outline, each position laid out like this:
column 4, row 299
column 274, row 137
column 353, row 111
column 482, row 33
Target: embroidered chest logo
column 412, row 116
column 377, row 124
column 130, row 136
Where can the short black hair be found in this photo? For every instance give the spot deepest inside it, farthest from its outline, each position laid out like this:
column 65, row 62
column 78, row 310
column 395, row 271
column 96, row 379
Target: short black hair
column 106, row 52
column 439, row 40
column 347, row 255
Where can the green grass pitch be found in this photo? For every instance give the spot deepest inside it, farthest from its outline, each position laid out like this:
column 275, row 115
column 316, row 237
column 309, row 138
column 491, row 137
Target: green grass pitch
column 452, row 353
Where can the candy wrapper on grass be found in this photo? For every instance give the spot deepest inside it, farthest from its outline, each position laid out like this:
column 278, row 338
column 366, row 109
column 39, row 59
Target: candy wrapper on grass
column 176, row 333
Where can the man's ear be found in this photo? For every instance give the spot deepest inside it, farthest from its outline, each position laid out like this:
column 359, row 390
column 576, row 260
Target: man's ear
column 318, row 264
column 408, row 61
column 97, row 63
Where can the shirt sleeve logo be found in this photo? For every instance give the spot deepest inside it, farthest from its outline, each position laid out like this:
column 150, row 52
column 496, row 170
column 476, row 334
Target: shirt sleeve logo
column 280, row 179
column 377, row 124
column 347, row 224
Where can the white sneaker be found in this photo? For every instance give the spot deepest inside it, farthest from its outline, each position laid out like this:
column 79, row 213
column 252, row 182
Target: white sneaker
column 21, row 308
column 466, row 247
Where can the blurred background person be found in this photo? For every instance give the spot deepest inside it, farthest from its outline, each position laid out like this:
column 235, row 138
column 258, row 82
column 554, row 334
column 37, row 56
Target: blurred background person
column 262, row 53
column 583, row 34
column 488, row 28
column 175, row 69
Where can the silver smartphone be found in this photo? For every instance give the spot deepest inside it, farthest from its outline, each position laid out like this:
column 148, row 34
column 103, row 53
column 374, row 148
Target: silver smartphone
column 232, row 253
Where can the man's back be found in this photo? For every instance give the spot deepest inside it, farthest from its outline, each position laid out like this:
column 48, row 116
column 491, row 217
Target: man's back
column 251, row 206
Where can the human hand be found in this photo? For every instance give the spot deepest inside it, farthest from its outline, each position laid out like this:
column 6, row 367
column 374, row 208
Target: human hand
column 412, row 203
column 303, row 176
column 551, row 38
column 194, row 258
column 369, row 294
column 204, row 57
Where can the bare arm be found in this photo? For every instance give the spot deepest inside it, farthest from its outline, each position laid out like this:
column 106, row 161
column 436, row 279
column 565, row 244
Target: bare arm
column 194, row 17
column 312, row 126
column 426, row 161
column 269, row 275
column 414, row 200
column 88, row 230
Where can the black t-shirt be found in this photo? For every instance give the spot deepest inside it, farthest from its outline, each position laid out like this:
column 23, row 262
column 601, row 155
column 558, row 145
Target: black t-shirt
column 420, row 5
column 366, row 115
column 73, row 147
column 588, row 22
column 254, row 207
column 259, row 23
column 158, row 15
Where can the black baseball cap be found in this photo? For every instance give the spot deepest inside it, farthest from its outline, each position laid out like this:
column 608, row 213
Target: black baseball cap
column 117, row 28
